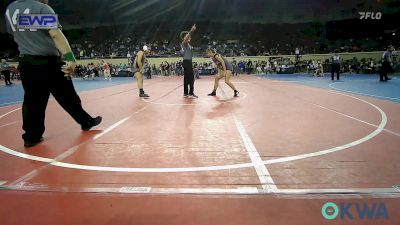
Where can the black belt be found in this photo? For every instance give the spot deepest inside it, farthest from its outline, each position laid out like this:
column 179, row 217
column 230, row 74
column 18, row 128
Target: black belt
column 39, row 60
column 39, row 56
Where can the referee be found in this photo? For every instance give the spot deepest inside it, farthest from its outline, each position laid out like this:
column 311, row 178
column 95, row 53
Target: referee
column 43, row 72
column 387, row 64
column 187, row 50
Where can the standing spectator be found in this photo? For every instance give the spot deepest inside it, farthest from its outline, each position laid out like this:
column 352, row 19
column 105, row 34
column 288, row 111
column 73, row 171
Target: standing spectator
column 394, row 58
column 5, row 69
column 319, row 69
column 371, row 66
column 196, row 71
column 275, row 69
column 268, row 67
column 242, row 66
column 167, row 68
column 249, row 66
column 147, row 70
column 258, row 68
column 335, row 65
column 297, row 56
column 154, row 69
column 106, row 70
column 235, row 67
column 355, row 67
column 173, row 68
column 162, row 69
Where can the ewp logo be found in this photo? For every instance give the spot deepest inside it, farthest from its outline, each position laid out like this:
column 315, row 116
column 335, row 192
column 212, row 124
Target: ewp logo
column 350, row 211
column 370, row 15
column 37, row 21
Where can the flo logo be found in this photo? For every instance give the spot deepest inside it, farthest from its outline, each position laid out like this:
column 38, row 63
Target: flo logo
column 365, row 211
column 370, row 15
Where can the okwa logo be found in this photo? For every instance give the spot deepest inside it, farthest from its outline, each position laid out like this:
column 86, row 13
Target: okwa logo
column 351, row 211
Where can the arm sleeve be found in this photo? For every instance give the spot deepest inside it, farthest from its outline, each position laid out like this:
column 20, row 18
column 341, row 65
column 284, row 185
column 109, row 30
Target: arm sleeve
column 8, row 27
column 46, row 10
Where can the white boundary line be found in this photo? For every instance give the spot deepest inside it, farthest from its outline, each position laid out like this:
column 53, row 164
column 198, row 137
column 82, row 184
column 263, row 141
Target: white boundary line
column 53, row 162
column 309, row 193
column 72, row 150
column 252, row 190
column 264, row 176
column 9, row 124
column 21, row 180
column 360, row 93
column 10, row 112
column 361, row 121
column 341, row 90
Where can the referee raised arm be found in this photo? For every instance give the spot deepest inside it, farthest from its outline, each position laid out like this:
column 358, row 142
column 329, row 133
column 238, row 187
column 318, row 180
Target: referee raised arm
column 43, row 71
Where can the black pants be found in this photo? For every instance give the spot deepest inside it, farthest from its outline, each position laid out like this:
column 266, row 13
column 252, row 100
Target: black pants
column 335, row 69
column 249, row 70
column 385, row 69
column 7, row 77
column 188, row 79
column 40, row 76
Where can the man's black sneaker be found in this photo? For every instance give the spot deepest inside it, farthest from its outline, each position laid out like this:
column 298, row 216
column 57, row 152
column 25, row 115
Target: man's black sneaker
column 93, row 122
column 29, row 143
column 212, row 94
column 236, row 94
column 143, row 95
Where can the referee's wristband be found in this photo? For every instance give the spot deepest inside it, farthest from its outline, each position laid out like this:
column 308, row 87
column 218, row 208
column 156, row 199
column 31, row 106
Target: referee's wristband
column 69, row 57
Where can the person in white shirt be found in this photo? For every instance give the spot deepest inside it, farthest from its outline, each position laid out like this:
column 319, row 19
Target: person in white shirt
column 319, row 71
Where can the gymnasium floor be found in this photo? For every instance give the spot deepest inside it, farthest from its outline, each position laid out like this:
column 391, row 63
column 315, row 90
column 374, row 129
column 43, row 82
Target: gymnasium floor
column 275, row 155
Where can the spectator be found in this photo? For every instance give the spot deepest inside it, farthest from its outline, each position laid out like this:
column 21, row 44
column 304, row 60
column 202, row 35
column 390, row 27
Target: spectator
column 5, row 69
